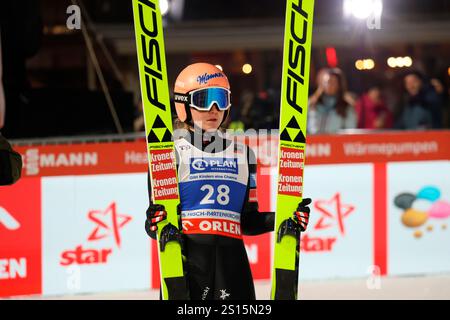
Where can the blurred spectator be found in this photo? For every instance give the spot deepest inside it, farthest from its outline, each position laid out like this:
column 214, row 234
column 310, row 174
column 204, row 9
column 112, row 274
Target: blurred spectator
column 322, row 76
column 372, row 110
column 236, row 119
column 422, row 106
column 331, row 107
column 10, row 163
column 440, row 89
column 21, row 34
column 261, row 110
column 240, row 115
column 139, row 122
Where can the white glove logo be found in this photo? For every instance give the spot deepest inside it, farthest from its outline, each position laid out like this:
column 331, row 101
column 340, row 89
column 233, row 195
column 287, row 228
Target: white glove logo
column 8, row 220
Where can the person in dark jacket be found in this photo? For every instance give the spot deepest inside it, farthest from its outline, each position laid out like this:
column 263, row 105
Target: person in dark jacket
column 422, row 107
column 10, row 163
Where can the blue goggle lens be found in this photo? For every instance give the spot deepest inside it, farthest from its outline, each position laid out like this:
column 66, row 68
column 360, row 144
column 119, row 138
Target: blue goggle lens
column 205, row 98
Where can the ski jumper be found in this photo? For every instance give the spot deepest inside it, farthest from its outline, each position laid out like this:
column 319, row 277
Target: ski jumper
column 217, row 182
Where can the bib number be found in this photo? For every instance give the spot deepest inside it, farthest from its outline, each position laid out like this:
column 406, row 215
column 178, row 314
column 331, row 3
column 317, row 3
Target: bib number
column 222, row 197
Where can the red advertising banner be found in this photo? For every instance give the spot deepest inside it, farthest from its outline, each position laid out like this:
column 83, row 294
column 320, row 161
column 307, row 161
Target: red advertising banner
column 379, row 147
column 290, row 178
column 355, row 223
column 360, row 148
column 20, row 234
column 128, row 157
column 164, row 175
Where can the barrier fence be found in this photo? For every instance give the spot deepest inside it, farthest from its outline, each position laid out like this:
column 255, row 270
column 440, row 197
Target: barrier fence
column 74, row 223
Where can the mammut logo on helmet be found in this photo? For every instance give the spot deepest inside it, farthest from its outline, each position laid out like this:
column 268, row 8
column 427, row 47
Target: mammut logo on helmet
column 203, row 79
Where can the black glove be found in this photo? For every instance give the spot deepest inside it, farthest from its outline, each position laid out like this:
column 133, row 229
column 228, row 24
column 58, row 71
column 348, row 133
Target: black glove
column 301, row 216
column 155, row 213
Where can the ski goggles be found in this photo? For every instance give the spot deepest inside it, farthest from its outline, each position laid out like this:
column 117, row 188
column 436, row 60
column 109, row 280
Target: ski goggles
column 203, row 99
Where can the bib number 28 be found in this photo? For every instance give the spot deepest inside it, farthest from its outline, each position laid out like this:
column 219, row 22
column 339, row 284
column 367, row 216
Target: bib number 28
column 222, row 196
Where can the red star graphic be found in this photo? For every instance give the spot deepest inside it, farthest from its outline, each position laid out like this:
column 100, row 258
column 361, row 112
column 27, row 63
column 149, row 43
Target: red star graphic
column 331, row 210
column 108, row 222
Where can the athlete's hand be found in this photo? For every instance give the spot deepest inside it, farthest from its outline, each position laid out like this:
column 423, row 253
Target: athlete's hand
column 301, row 216
column 155, row 214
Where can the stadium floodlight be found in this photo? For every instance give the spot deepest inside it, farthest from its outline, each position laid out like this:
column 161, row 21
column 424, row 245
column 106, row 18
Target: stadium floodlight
column 363, row 9
column 407, row 61
column 400, row 62
column 164, row 5
column 365, row 64
column 247, row 68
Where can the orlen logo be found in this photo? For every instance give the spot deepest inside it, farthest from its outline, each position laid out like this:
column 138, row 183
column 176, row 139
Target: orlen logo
column 223, row 165
column 108, row 225
column 34, row 161
column 333, row 214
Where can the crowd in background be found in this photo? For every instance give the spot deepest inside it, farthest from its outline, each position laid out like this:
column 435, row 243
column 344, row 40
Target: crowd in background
column 332, row 108
column 56, row 98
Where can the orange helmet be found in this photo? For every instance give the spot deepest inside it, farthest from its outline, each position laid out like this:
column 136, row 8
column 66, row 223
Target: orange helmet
column 194, row 77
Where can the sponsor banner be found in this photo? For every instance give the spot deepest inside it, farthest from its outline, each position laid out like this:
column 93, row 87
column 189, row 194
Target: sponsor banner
column 84, row 159
column 93, row 237
column 94, row 241
column 92, row 222
column 383, row 147
column 418, row 203
column 339, row 240
column 290, row 178
column 221, row 227
column 258, row 252
column 214, row 165
column 20, row 234
column 115, row 157
column 359, row 148
column 212, row 214
column 164, row 174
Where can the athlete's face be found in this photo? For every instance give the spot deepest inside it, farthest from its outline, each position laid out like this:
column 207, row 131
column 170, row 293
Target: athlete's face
column 208, row 120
